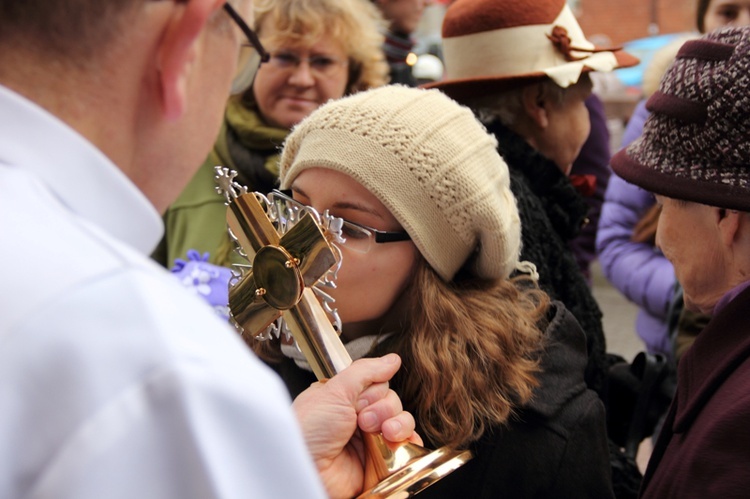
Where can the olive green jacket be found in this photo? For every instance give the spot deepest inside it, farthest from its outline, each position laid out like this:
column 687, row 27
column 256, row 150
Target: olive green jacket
column 197, row 219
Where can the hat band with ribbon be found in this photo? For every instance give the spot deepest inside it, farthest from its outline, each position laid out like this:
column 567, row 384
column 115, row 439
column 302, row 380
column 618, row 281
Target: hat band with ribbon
column 570, row 53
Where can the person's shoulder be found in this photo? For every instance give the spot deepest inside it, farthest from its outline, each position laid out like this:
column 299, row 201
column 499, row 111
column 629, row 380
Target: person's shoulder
column 196, row 220
column 61, row 261
column 535, row 223
column 562, row 365
column 532, row 451
column 129, row 366
column 565, row 341
column 50, row 249
column 136, row 322
column 621, row 191
column 522, row 190
column 562, row 324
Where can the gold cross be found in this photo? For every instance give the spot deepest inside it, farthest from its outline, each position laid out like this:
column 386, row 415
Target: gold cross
column 284, row 267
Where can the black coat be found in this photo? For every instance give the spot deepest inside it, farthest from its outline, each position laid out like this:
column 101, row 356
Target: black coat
column 556, row 446
column 552, row 213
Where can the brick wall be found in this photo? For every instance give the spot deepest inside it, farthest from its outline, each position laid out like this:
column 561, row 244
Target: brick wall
column 623, row 20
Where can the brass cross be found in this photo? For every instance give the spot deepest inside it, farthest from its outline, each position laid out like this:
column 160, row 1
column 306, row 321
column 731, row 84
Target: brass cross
column 284, row 267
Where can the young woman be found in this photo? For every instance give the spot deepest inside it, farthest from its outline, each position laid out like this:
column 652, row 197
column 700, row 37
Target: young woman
column 429, row 264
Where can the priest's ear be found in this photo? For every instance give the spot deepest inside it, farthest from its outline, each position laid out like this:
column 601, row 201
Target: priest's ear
column 178, row 50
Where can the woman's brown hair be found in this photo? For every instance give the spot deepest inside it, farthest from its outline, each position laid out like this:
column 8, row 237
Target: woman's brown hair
column 470, row 351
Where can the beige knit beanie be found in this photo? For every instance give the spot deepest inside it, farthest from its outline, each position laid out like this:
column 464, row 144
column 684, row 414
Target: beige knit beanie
column 430, row 162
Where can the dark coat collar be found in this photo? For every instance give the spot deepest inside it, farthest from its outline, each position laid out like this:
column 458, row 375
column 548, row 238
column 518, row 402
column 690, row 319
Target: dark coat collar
column 563, row 363
column 723, row 345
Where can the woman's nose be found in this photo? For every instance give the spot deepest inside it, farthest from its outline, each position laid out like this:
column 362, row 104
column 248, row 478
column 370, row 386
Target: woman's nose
column 302, row 75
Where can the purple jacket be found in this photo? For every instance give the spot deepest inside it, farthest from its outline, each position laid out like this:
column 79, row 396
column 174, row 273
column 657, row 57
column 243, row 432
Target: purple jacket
column 638, row 270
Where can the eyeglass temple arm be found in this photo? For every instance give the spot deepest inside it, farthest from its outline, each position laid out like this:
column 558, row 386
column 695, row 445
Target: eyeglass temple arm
column 391, row 237
column 249, row 33
column 380, row 235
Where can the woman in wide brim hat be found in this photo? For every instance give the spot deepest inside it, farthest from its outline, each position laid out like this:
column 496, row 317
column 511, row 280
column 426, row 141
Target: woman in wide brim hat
column 490, row 45
column 523, row 67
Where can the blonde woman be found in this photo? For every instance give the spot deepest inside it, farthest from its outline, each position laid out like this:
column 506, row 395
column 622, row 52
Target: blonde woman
column 318, row 50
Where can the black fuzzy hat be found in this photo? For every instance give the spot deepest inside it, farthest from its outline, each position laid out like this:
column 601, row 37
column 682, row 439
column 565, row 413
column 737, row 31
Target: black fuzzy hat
column 695, row 145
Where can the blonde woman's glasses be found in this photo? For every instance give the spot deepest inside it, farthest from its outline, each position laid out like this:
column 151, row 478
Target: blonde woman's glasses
column 319, row 64
column 353, row 236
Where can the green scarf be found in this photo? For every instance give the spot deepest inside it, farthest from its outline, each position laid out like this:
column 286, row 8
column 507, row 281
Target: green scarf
column 250, row 133
column 244, row 140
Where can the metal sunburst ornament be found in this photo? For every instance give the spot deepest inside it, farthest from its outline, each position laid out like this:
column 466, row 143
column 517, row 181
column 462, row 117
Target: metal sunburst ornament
column 293, row 241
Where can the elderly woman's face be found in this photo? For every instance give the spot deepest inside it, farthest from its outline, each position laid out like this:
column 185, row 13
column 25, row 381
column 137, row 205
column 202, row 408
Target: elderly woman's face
column 567, row 127
column 687, row 235
column 297, row 80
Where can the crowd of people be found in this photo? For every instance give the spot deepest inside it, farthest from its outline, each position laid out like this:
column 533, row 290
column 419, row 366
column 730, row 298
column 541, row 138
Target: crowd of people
column 465, row 212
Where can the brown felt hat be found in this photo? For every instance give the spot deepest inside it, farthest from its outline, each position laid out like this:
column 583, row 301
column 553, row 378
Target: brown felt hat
column 493, row 44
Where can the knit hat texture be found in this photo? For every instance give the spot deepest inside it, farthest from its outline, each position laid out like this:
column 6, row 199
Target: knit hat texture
column 695, row 145
column 489, row 45
column 430, row 162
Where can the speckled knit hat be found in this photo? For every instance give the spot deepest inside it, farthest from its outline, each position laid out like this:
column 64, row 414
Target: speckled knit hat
column 430, row 162
column 696, row 143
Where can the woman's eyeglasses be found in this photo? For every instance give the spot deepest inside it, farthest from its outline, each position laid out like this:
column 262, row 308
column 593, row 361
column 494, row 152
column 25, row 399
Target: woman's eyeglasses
column 353, row 236
column 252, row 54
column 319, row 64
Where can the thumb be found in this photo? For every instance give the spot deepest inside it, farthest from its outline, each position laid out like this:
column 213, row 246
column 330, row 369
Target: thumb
column 363, row 373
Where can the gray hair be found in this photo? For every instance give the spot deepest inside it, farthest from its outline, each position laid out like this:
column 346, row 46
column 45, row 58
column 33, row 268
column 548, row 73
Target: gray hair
column 506, row 106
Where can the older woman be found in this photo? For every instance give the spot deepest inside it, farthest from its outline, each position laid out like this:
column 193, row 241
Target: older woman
column 523, row 69
column 628, row 258
column 319, row 50
column 695, row 155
